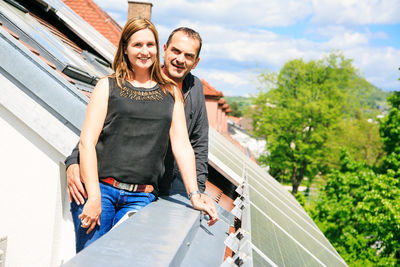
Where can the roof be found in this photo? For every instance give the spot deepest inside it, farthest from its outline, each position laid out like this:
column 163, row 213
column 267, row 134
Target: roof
column 210, row 91
column 64, row 38
column 276, row 230
column 235, row 119
column 99, row 19
column 87, row 33
column 55, row 67
column 221, row 101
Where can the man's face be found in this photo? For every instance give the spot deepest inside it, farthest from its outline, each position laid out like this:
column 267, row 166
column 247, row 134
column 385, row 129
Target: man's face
column 180, row 56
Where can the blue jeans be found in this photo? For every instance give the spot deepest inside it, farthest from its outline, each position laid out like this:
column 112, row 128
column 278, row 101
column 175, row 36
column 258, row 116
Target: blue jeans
column 115, row 203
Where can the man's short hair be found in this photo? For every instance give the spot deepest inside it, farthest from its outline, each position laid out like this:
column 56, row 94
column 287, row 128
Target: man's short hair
column 190, row 33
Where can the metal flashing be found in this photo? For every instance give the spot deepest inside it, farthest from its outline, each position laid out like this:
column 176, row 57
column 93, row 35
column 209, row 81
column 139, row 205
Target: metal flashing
column 51, row 47
column 18, row 108
column 83, row 29
column 79, row 75
column 15, row 4
column 41, row 82
column 175, row 232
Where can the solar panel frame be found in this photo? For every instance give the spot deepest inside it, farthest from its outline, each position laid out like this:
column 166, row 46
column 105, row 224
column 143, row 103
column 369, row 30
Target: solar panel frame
column 272, row 210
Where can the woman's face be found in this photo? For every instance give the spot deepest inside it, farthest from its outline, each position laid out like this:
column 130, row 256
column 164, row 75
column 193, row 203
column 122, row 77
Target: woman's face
column 141, row 49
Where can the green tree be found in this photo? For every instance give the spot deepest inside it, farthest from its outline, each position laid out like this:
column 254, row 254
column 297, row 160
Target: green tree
column 359, row 135
column 390, row 133
column 236, row 112
column 296, row 115
column 358, row 209
column 359, row 212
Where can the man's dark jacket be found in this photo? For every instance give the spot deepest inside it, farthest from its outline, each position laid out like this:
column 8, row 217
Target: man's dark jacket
column 197, row 124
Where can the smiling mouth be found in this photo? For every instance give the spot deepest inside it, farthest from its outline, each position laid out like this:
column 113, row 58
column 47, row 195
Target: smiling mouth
column 178, row 67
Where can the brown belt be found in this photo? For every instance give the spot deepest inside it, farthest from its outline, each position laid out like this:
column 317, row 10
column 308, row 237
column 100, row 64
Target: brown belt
column 129, row 187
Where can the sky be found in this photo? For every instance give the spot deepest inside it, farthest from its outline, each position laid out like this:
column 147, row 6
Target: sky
column 243, row 38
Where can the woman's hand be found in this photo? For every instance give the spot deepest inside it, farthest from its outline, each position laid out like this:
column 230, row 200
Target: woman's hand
column 201, row 204
column 90, row 215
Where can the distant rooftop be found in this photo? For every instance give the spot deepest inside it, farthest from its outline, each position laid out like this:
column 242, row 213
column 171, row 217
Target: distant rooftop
column 210, row 91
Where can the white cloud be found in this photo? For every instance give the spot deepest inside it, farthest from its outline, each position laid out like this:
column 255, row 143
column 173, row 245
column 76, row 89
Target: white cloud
column 335, row 31
column 356, row 12
column 253, row 47
column 236, row 12
column 231, row 35
column 347, row 40
column 229, row 82
column 378, row 65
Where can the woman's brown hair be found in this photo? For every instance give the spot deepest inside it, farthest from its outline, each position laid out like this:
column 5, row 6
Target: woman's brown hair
column 121, row 65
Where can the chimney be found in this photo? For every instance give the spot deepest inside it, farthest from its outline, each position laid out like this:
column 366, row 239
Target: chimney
column 139, row 9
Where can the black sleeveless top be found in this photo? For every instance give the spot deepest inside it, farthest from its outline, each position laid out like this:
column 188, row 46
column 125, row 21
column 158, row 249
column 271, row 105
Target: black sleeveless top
column 134, row 140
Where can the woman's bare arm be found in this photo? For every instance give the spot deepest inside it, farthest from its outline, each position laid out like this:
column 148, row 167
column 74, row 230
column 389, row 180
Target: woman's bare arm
column 91, row 129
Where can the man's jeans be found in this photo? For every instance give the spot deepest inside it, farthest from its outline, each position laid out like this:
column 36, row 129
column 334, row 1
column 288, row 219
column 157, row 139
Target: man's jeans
column 115, row 203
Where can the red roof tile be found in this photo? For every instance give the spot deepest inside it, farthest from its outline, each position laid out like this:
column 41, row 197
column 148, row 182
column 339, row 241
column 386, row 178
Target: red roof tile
column 235, row 119
column 221, row 101
column 211, row 91
column 96, row 17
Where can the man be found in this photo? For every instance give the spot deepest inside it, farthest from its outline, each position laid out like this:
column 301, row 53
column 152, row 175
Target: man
column 181, row 55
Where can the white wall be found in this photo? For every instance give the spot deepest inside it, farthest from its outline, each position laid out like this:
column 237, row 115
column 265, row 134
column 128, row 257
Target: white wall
column 34, row 207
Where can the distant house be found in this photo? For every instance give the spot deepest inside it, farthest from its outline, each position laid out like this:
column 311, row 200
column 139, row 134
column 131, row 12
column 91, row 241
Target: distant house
column 51, row 58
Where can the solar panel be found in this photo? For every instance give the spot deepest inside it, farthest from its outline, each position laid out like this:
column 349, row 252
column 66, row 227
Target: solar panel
column 83, row 29
column 60, row 53
column 281, row 232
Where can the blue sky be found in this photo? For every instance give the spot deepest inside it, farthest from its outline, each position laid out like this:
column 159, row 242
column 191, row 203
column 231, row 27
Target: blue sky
column 241, row 38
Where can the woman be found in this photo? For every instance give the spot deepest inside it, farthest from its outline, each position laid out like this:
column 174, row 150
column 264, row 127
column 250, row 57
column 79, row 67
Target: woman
column 124, row 138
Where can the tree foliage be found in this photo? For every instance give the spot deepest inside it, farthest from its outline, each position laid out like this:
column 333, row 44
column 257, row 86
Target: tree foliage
column 359, row 135
column 296, row 116
column 238, row 104
column 236, row 112
column 390, row 133
column 359, row 212
column 358, row 209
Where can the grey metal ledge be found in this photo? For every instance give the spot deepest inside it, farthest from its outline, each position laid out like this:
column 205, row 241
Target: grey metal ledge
column 167, row 232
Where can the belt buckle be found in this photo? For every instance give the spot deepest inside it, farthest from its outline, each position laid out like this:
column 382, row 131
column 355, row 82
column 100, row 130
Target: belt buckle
column 124, row 186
